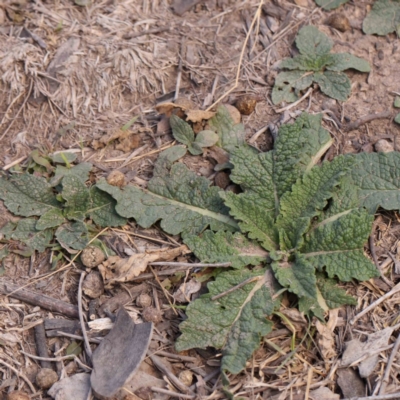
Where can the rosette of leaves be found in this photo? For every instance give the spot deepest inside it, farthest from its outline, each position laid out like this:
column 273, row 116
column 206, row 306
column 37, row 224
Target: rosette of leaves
column 222, row 132
column 316, row 64
column 384, row 18
column 57, row 205
column 298, row 223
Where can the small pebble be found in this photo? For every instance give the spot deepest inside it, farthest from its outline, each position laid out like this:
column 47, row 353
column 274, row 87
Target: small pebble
column 116, row 178
column 339, row 22
column 186, row 377
column 151, row 314
column 246, row 104
column 383, row 146
column 46, row 377
column 222, row 179
column 93, row 285
column 92, row 256
column 143, row 300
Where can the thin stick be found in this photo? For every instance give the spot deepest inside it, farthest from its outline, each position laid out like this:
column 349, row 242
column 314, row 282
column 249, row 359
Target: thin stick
column 166, row 294
column 309, row 379
column 141, row 236
column 20, row 374
column 257, row 134
column 19, row 111
column 151, row 152
column 190, row 265
column 171, row 393
column 51, row 359
column 367, row 118
column 255, row 18
column 393, row 355
column 82, row 321
column 375, row 303
column 288, row 107
column 17, row 161
column 72, row 336
column 232, row 289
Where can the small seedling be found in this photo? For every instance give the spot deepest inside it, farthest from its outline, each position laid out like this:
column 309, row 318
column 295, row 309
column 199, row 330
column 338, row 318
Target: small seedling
column 316, row 64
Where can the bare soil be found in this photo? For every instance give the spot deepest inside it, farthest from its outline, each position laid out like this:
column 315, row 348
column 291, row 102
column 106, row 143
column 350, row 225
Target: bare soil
column 72, row 75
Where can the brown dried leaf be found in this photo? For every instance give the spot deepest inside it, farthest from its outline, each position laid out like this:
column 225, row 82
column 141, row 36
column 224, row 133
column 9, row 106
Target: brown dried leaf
column 356, row 350
column 325, row 337
column 117, row 269
column 323, row 393
column 182, row 295
column 168, row 108
column 199, row 115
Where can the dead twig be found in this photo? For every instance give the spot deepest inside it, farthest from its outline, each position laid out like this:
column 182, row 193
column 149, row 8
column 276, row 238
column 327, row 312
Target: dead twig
column 190, row 265
column 367, row 118
column 19, row 374
column 174, row 380
column 81, row 319
column 48, row 359
column 171, row 393
column 290, row 106
column 375, row 303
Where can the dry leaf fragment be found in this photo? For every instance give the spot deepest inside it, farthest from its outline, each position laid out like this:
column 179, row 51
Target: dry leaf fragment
column 76, row 387
column 356, row 350
column 325, row 337
column 199, row 115
column 350, row 383
column 117, row 269
column 186, row 289
column 297, row 321
column 323, row 393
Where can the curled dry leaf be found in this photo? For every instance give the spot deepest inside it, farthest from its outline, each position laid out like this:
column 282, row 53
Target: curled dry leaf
column 356, row 351
column 247, row 104
column 125, row 140
column 199, row 115
column 117, row 269
column 326, row 337
column 186, row 289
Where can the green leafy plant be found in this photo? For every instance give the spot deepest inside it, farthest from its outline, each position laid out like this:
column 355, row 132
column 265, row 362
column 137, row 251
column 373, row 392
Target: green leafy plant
column 330, row 4
column 316, row 64
column 300, row 224
column 184, row 133
column 383, row 18
column 58, row 205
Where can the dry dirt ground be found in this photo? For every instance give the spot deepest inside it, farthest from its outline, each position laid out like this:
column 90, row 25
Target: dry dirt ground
column 71, row 75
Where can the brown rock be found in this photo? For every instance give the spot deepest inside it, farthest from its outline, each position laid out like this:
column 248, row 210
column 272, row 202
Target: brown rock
column 151, row 314
column 222, row 179
column 92, row 256
column 46, row 378
column 143, row 300
column 93, row 285
column 247, row 104
column 383, row 146
column 116, row 178
column 339, row 21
